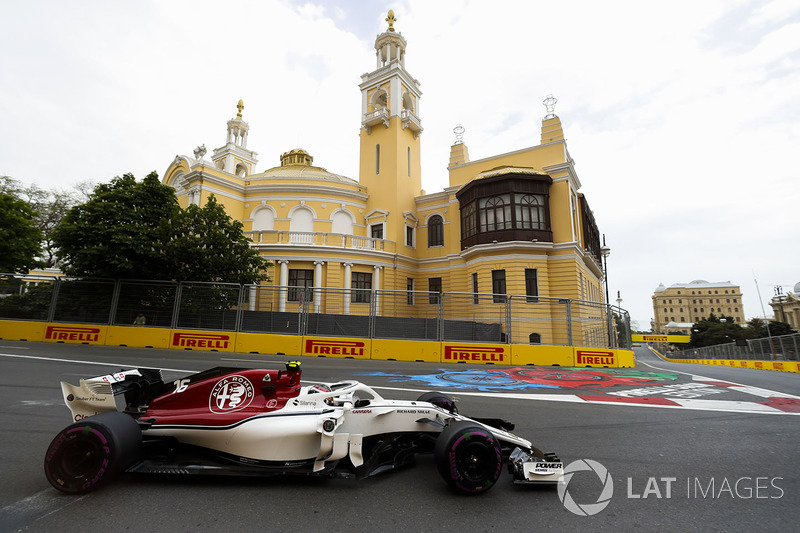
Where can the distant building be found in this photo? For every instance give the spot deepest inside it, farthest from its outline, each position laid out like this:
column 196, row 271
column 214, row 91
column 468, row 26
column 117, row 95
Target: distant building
column 679, row 306
column 786, row 307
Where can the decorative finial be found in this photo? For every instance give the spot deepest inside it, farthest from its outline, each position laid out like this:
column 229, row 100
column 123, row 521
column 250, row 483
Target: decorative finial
column 239, row 106
column 550, row 105
column 200, row 151
column 459, row 131
column 391, row 20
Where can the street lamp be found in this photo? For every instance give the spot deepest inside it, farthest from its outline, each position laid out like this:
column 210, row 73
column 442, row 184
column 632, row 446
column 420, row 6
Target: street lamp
column 605, row 251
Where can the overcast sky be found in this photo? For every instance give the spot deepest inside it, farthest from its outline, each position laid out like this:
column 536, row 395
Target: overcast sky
column 683, row 117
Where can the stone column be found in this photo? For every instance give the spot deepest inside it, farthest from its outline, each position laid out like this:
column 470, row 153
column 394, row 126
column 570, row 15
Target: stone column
column 348, row 280
column 317, row 285
column 283, row 283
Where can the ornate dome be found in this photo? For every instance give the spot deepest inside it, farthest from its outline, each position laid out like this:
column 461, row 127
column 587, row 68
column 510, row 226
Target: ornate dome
column 797, row 288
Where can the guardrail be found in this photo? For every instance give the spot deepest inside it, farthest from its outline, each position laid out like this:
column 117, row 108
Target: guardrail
column 317, row 311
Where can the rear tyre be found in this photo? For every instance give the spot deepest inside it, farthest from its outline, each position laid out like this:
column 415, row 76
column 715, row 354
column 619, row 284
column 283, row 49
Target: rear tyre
column 440, row 400
column 468, row 457
column 90, row 453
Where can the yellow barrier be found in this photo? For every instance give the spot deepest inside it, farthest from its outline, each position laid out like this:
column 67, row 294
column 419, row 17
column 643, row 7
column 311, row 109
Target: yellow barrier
column 268, row 343
column 526, row 354
column 379, row 349
column 399, row 350
column 138, row 337
column 75, row 333
column 17, row 330
column 499, row 354
column 780, row 366
column 337, row 347
column 604, row 357
column 213, row 341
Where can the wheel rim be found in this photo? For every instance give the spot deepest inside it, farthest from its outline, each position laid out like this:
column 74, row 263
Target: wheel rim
column 475, row 462
column 81, row 458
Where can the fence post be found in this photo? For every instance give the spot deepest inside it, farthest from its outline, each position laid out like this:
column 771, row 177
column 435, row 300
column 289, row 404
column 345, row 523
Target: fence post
column 177, row 306
column 508, row 319
column 439, row 317
column 568, row 315
column 239, row 305
column 112, row 313
column 51, row 313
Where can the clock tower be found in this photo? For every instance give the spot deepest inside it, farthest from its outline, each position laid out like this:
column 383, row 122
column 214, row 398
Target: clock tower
column 390, row 139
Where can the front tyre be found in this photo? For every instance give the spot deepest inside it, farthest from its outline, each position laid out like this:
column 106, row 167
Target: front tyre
column 440, row 400
column 468, row 457
column 90, row 453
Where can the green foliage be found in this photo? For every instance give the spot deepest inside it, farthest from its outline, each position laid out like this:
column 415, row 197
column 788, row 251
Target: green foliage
column 205, row 244
column 715, row 330
column 20, row 239
column 757, row 329
column 137, row 230
column 115, row 234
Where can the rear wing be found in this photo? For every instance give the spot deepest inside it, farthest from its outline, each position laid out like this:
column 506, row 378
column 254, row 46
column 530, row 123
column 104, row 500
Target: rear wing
column 101, row 394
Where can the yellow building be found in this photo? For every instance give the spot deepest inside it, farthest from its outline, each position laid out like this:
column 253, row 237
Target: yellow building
column 511, row 224
column 677, row 307
column 786, row 307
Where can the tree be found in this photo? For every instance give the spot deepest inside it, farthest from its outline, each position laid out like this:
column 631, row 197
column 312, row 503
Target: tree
column 205, row 244
column 137, row 230
column 20, row 239
column 117, row 233
column 715, row 330
column 757, row 328
column 50, row 207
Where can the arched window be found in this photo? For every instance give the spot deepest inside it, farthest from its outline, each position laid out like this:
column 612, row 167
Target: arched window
column 301, row 225
column 435, row 231
column 342, row 222
column 494, row 213
column 530, row 211
column 263, row 219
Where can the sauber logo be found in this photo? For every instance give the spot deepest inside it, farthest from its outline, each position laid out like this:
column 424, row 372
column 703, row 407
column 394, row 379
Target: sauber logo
column 200, row 340
column 231, row 393
column 335, row 347
column 474, row 353
column 64, row 333
column 594, row 357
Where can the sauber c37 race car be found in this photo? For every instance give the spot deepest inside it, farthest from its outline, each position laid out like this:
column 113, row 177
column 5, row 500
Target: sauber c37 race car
column 264, row 422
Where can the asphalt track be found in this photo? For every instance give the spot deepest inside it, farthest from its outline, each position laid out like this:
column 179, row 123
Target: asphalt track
column 686, row 448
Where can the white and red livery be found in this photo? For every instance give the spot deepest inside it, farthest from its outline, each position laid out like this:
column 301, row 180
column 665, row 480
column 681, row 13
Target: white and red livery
column 264, row 422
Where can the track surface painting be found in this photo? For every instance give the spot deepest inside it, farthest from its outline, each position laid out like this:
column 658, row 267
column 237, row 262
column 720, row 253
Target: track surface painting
column 606, row 386
column 525, row 378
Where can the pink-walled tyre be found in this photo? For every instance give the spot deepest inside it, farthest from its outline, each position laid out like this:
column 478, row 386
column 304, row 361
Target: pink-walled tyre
column 91, row 453
column 440, row 400
column 468, row 457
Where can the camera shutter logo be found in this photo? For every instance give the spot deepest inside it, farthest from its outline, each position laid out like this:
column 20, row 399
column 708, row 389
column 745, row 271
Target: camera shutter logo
column 587, row 509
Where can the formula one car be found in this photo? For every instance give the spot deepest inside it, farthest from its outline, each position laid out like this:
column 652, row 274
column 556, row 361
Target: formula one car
column 264, row 422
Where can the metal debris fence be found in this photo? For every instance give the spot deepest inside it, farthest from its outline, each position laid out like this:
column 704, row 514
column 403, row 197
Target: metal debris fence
column 317, row 311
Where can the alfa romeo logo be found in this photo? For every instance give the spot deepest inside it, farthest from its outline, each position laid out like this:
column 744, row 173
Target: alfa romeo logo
column 587, row 509
column 231, row 393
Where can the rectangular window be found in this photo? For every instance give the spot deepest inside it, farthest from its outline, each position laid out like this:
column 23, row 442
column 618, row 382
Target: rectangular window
column 299, row 280
column 376, row 231
column 435, row 288
column 499, row 286
column 377, row 159
column 531, row 285
column 409, row 161
column 409, row 236
column 475, row 299
column 361, row 286
column 410, row 289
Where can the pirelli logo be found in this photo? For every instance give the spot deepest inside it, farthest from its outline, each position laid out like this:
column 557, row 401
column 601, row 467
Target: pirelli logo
column 346, row 348
column 483, row 354
column 595, row 357
column 201, row 340
column 69, row 333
